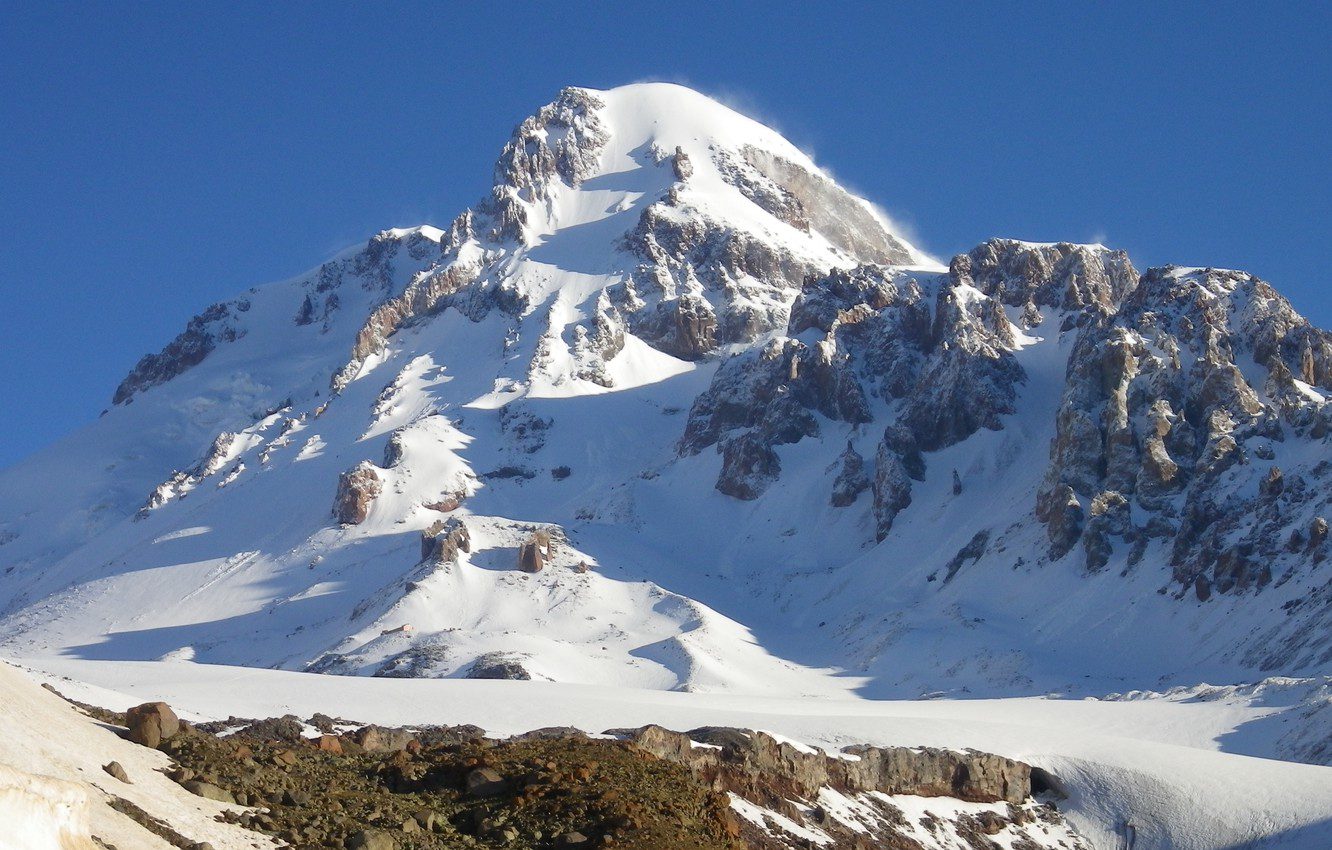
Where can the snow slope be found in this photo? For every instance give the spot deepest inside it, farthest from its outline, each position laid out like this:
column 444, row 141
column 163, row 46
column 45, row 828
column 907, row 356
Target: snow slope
column 1166, row 765
column 55, row 794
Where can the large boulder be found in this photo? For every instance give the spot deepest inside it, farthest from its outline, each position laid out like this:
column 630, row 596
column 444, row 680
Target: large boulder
column 371, row 839
column 209, row 791
column 379, row 739
column 151, row 723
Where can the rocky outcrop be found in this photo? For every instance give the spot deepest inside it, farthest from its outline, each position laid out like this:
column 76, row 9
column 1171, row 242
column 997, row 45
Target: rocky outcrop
column 747, row 281
column 1159, row 425
column 759, row 401
column 426, row 295
column 223, row 451
column 892, row 489
column 498, row 665
column 1063, row 276
column 220, row 323
column 683, row 327
column 357, row 490
column 443, row 539
column 749, row 466
column 755, row 765
column 535, row 552
column 851, row 481
column 562, row 141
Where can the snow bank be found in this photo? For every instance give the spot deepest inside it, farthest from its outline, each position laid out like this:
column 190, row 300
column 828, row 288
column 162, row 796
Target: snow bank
column 41, row 813
column 54, row 793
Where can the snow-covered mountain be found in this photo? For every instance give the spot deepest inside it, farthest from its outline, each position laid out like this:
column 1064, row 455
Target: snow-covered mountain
column 669, row 408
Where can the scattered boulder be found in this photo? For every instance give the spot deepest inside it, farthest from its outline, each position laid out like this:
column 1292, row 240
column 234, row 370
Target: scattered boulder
column 485, row 782
column 371, row 839
column 328, row 744
column 209, row 791
column 114, row 768
column 151, row 723
column 378, row 739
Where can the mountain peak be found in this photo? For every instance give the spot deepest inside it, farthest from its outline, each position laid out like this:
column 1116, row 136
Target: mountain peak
column 590, row 154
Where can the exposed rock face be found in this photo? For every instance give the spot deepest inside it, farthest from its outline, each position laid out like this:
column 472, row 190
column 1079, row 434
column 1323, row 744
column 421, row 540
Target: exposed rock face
column 1156, row 412
column 757, row 402
column 561, row 141
column 151, row 723
column 220, row 323
column 1063, row 276
column 357, row 490
column 951, row 369
column 747, row 281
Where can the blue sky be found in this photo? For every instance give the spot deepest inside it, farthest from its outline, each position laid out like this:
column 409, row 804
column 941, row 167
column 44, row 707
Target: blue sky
column 156, row 159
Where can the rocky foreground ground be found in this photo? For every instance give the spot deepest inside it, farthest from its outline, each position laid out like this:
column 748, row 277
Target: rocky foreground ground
column 324, row 782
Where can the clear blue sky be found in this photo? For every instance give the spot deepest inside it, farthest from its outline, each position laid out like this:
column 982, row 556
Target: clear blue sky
column 154, row 160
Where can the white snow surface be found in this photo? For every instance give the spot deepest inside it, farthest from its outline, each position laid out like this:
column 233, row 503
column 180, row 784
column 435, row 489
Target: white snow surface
column 54, row 792
column 780, row 613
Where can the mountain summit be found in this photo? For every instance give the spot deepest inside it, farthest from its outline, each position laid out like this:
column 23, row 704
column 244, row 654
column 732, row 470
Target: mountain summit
column 670, row 408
